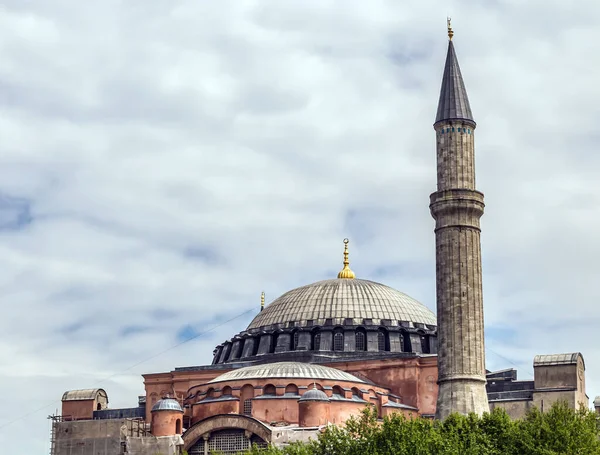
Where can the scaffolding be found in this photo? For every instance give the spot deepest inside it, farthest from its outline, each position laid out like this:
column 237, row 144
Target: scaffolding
column 69, row 436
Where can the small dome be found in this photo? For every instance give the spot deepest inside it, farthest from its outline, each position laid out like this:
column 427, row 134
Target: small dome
column 167, row 404
column 314, row 394
column 289, row 370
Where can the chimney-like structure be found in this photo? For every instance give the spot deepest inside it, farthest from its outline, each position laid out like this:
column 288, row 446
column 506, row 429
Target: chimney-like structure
column 457, row 207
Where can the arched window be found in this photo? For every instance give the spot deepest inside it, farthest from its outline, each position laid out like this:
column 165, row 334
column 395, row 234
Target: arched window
column 356, row 393
column 295, row 337
column 338, row 340
column 178, row 426
column 383, row 343
column 424, row 344
column 269, row 390
column 291, row 389
column 99, row 407
column 238, row 351
column 360, row 343
column 273, row 343
column 210, row 392
column 338, row 392
column 316, row 340
column 246, row 395
column 402, row 346
column 226, row 391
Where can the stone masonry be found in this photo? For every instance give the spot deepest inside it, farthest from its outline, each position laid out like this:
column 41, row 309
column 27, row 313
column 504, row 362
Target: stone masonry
column 457, row 207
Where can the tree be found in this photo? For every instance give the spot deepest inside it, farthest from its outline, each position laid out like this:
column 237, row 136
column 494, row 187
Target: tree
column 560, row 431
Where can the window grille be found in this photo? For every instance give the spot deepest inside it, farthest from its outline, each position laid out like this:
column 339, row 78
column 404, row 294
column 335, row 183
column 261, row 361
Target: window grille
column 381, row 341
column 228, row 442
column 316, row 341
column 295, row 340
column 338, row 341
column 248, row 407
column 360, row 344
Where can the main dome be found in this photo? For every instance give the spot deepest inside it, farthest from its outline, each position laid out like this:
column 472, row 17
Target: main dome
column 345, row 302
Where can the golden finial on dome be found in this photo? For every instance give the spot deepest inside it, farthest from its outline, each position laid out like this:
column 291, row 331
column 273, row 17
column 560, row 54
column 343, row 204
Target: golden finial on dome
column 262, row 301
column 450, row 31
column 346, row 272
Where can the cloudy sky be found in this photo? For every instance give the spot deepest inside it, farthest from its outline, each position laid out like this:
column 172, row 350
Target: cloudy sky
column 163, row 162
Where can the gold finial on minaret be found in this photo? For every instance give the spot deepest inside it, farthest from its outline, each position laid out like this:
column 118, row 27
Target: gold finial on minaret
column 346, row 272
column 262, row 301
column 450, row 31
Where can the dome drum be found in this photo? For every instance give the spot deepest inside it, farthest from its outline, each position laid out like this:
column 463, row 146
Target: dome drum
column 339, row 341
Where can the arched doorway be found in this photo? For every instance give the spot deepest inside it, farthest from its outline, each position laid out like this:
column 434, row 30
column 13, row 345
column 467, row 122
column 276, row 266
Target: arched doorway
column 225, row 433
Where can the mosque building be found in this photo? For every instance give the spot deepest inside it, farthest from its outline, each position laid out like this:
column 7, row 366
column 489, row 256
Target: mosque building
column 325, row 351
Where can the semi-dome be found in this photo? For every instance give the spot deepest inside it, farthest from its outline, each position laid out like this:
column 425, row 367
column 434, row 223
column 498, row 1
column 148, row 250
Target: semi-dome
column 290, row 370
column 345, row 302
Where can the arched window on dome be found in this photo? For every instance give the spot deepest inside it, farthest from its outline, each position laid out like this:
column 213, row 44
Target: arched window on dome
column 316, row 340
column 338, row 340
column 273, row 343
column 269, row 390
column 360, row 340
column 402, row 345
column 356, row 394
column 226, row 391
column 383, row 340
column 291, row 390
column 338, row 392
column 295, row 337
column 424, row 344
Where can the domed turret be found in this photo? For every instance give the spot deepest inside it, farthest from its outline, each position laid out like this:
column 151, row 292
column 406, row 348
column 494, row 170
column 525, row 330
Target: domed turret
column 314, row 408
column 167, row 415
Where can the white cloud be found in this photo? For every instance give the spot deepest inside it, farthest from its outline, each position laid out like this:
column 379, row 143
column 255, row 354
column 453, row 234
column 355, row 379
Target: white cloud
column 178, row 158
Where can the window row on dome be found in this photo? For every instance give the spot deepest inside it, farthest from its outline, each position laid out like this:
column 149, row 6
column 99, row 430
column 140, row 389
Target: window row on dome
column 248, row 393
column 338, row 340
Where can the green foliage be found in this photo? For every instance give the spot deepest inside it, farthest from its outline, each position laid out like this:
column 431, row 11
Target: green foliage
column 560, row 431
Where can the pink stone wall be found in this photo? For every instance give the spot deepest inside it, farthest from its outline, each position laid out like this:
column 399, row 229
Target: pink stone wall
column 79, row 410
column 164, row 423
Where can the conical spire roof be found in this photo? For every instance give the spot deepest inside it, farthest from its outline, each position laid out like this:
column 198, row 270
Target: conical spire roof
column 454, row 102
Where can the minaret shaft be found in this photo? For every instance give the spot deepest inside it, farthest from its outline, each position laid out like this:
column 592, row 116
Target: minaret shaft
column 457, row 207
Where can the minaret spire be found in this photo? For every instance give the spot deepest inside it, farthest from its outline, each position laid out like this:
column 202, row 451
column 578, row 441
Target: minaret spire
column 457, row 207
column 454, row 102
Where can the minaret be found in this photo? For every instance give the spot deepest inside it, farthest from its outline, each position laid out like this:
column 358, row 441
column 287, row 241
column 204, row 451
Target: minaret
column 457, row 207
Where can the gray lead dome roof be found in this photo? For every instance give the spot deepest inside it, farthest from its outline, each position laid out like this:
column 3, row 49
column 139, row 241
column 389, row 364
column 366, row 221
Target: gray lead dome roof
column 340, row 300
column 290, row 370
column 167, row 404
